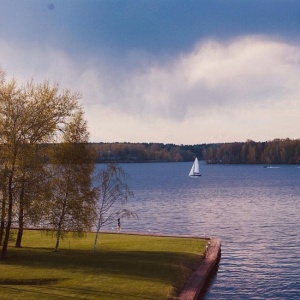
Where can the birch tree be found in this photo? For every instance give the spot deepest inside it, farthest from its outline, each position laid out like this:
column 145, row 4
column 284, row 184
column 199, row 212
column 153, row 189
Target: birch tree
column 31, row 189
column 73, row 199
column 29, row 115
column 113, row 194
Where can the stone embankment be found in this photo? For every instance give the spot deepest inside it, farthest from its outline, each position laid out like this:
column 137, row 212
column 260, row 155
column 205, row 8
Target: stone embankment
column 197, row 282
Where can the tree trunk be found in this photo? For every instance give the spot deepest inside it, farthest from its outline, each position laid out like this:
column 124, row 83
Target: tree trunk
column 6, row 239
column 21, row 219
column 2, row 224
column 97, row 231
column 96, row 240
column 9, row 218
column 58, row 234
column 19, row 238
column 20, row 230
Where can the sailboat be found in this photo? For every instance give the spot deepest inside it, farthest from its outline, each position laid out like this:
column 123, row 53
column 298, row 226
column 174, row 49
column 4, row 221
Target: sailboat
column 195, row 169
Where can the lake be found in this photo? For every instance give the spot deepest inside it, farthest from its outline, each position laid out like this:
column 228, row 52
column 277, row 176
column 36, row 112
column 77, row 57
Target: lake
column 252, row 209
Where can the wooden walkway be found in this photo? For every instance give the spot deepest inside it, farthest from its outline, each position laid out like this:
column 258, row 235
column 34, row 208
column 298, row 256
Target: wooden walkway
column 196, row 283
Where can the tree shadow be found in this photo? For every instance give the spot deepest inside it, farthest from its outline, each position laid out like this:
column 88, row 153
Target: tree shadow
column 30, row 281
column 154, row 265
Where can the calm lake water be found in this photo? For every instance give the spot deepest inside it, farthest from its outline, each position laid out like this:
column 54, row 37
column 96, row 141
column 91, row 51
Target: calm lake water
column 253, row 210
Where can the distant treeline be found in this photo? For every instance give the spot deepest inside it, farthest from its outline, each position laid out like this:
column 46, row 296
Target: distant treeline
column 146, row 152
column 278, row 151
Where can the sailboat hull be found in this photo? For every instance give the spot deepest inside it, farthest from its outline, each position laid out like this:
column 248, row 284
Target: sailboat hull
column 195, row 175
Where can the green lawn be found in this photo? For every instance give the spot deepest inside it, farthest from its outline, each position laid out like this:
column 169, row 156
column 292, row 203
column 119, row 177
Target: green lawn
column 127, row 267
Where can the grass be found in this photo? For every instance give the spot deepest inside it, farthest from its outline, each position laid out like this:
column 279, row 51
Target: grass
column 127, row 267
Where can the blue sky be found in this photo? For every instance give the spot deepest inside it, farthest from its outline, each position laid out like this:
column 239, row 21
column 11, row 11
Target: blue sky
column 170, row 71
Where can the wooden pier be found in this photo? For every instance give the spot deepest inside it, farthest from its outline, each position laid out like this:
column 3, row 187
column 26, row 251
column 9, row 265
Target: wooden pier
column 197, row 282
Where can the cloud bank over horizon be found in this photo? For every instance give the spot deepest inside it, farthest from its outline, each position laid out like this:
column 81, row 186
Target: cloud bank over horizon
column 218, row 90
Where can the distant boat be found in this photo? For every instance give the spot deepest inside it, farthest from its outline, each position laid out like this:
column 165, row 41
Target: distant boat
column 195, row 169
column 271, row 167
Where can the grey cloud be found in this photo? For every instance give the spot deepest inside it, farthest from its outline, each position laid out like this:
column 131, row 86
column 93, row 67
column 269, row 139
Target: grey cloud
column 248, row 72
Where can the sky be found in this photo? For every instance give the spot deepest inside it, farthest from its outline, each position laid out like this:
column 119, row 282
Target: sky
column 166, row 71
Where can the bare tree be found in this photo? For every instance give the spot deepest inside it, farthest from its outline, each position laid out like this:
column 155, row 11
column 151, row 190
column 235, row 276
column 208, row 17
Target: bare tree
column 113, row 194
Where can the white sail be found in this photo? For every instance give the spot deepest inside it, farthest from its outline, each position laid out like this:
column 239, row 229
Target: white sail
column 195, row 171
column 192, row 170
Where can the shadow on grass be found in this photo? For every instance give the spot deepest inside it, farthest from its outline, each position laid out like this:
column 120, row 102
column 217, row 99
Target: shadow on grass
column 33, row 281
column 62, row 293
column 155, row 265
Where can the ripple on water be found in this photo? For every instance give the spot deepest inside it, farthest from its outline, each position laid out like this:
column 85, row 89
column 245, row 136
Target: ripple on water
column 254, row 211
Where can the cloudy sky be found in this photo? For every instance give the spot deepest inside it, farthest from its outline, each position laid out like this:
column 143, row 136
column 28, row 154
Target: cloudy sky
column 180, row 71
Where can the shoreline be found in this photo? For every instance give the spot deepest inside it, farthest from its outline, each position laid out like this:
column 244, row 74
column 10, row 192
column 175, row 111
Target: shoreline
column 200, row 277
column 198, row 281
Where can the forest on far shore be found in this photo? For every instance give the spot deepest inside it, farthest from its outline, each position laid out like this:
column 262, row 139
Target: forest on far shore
column 145, row 152
column 277, row 151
